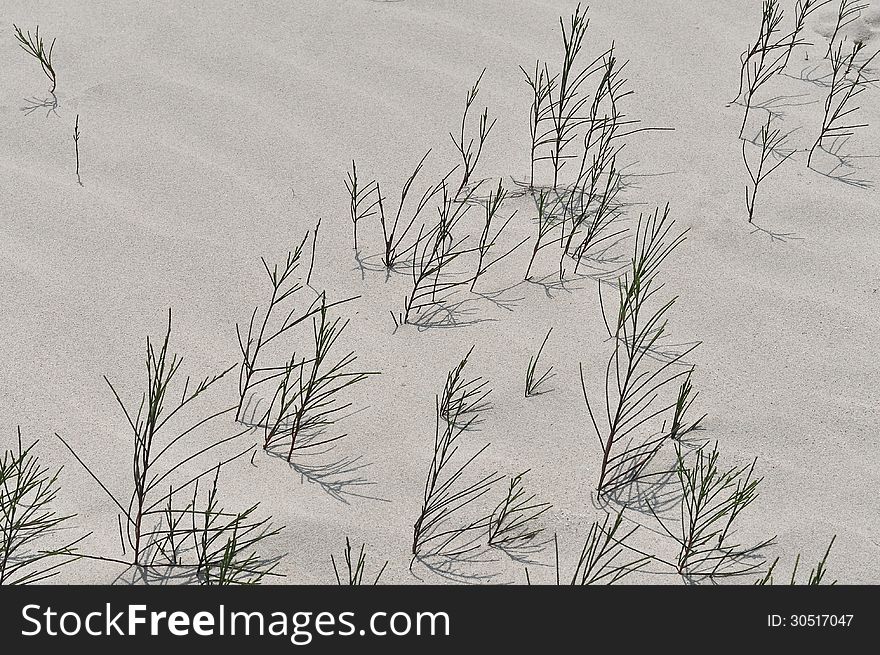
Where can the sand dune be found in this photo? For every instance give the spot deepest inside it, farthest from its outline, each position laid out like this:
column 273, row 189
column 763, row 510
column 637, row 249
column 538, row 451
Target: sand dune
column 212, row 137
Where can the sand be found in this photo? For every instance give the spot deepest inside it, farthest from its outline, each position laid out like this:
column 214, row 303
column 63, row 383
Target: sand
column 214, row 136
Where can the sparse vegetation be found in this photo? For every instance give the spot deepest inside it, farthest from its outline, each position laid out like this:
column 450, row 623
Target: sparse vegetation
column 36, row 48
column 443, row 229
column 444, row 528
column 604, row 559
column 355, row 569
column 848, row 80
column 771, row 142
column 76, row 148
column 816, row 576
column 28, row 522
column 632, row 384
column 164, row 470
column 533, row 380
column 712, row 500
column 513, row 526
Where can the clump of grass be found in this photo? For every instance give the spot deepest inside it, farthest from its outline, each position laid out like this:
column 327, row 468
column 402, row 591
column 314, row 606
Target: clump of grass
column 599, row 158
column 467, row 149
column 364, row 199
column 848, row 80
column 355, row 568
column 591, row 205
column 76, row 148
column 632, row 383
column 533, row 380
column 487, row 239
column 159, row 461
column 225, row 543
column 565, row 108
column 464, row 398
column 763, row 59
column 437, row 246
column 561, row 106
column 307, row 399
column 259, row 336
column 513, row 526
column 602, row 558
column 712, row 500
column 28, row 490
column 268, row 324
column 584, row 211
column 441, row 529
column 436, row 250
column 686, row 398
column 541, row 83
column 815, row 578
column 848, row 12
column 771, row 142
column 36, row 48
column 394, row 233
column 547, row 204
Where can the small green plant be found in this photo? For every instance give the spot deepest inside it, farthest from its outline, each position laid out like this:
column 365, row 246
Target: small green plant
column 76, row 148
column 27, row 521
column 34, row 46
column 636, row 387
column 513, row 526
column 441, row 529
column 602, row 558
column 277, row 319
column 533, row 380
column 712, row 500
column 816, row 576
column 436, row 249
column 363, row 200
column 224, row 543
column 464, row 399
column 394, row 233
column 848, row 80
column 487, row 239
column 307, row 399
column 159, row 460
column 771, row 142
column 355, row 569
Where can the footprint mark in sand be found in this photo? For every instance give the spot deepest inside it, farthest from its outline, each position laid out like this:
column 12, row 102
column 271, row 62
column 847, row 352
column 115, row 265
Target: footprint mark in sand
column 872, row 18
column 864, row 29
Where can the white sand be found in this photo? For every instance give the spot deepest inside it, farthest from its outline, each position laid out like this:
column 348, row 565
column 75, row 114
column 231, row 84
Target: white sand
column 211, row 137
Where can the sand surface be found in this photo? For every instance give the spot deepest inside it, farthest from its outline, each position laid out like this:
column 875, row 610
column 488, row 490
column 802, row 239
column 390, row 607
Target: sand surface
column 215, row 134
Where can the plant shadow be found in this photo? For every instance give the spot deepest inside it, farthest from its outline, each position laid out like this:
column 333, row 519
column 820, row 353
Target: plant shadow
column 50, row 104
column 341, row 477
